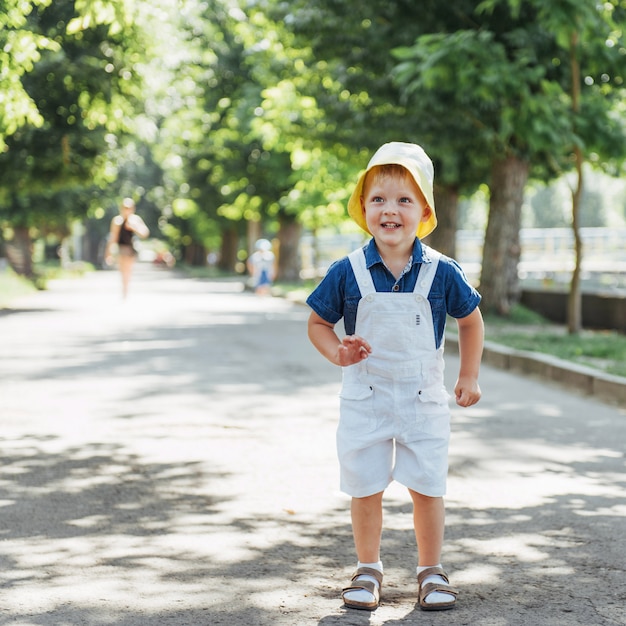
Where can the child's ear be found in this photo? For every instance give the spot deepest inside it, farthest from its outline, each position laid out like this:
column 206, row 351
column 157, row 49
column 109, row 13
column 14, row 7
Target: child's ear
column 427, row 214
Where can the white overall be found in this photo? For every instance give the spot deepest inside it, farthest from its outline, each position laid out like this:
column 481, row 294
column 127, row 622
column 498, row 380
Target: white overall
column 394, row 419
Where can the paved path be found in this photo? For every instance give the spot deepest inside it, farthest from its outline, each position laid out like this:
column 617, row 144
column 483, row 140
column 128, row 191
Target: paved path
column 170, row 460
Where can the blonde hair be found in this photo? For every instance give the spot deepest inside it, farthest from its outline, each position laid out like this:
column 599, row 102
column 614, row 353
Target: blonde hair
column 395, row 171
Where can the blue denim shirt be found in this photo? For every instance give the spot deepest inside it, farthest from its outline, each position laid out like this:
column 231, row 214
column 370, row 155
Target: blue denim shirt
column 338, row 295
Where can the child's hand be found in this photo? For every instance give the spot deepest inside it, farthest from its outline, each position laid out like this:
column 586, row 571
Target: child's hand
column 467, row 391
column 352, row 349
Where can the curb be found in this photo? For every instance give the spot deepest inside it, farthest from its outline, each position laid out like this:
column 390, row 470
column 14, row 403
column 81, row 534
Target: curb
column 605, row 387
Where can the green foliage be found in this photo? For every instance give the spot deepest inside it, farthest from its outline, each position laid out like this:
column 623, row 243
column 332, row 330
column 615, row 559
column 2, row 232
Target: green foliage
column 83, row 85
column 255, row 111
column 20, row 49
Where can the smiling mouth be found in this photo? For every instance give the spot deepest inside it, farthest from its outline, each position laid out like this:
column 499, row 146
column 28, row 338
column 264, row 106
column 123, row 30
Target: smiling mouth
column 390, row 225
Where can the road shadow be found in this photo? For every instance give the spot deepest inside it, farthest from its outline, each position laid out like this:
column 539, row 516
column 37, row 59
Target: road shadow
column 154, row 483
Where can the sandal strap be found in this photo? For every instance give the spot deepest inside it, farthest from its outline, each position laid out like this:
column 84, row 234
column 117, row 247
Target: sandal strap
column 429, row 588
column 358, row 584
column 442, row 587
column 368, row 571
column 366, row 585
column 432, row 571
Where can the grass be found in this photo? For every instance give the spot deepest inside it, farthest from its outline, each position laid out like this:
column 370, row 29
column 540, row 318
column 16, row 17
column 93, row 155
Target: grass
column 526, row 330
column 13, row 286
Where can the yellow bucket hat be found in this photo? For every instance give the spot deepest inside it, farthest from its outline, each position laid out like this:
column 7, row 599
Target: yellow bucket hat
column 413, row 158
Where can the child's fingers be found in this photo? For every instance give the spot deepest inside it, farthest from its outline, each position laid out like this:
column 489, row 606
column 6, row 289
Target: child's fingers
column 356, row 341
column 465, row 397
column 352, row 350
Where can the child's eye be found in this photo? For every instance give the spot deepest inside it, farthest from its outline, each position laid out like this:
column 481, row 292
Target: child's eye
column 405, row 199
column 377, row 199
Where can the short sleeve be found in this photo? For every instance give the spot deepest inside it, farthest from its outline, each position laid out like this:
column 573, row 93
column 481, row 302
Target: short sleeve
column 461, row 297
column 327, row 299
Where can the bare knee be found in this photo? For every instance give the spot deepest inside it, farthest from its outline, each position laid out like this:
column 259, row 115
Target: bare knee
column 420, row 499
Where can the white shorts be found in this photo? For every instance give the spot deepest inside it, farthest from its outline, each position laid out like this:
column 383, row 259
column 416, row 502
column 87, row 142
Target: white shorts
column 386, row 432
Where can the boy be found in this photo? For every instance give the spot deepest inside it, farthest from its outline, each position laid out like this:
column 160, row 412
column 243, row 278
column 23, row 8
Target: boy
column 394, row 294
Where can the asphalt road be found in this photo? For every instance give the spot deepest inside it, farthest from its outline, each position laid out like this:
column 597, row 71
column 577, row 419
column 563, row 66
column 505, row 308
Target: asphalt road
column 170, row 460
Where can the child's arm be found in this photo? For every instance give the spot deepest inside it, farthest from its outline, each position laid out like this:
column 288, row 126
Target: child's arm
column 347, row 352
column 471, row 336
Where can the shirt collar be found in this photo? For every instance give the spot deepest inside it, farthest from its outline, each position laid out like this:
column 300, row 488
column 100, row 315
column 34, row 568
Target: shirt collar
column 372, row 256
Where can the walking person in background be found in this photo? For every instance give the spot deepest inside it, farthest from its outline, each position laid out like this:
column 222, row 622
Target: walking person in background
column 124, row 228
column 393, row 295
column 261, row 265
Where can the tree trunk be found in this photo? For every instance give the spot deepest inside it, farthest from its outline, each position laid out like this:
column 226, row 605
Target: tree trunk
column 195, row 255
column 443, row 238
column 499, row 283
column 289, row 265
column 229, row 248
column 20, row 252
column 574, row 300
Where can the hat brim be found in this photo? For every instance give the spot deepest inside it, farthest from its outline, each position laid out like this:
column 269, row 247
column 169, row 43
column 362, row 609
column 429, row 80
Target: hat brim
column 355, row 210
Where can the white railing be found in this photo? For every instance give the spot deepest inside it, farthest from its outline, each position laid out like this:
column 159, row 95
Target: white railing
column 547, row 254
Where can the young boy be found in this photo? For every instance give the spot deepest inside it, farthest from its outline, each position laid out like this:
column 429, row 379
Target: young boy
column 394, row 294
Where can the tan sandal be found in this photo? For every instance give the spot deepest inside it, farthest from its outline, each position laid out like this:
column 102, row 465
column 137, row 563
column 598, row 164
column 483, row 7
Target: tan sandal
column 425, row 590
column 367, row 585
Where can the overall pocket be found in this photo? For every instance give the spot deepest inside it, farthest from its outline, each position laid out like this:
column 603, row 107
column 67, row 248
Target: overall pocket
column 435, row 394
column 357, row 408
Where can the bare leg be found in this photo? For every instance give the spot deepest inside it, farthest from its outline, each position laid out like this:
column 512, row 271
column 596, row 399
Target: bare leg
column 367, row 526
column 126, row 268
column 428, row 521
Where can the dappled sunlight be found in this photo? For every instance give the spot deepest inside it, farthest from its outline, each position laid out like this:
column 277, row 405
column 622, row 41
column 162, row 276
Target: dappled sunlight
column 478, row 573
column 617, row 510
column 171, row 456
column 524, row 547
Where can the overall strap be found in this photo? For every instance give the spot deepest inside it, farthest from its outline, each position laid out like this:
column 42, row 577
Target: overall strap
column 427, row 271
column 362, row 274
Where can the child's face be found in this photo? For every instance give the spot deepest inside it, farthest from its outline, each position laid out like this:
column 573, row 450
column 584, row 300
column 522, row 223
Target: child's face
column 393, row 207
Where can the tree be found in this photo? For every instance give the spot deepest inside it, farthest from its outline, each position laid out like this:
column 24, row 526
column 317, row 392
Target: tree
column 82, row 85
column 363, row 104
column 486, row 85
column 589, row 35
column 251, row 162
column 505, row 77
column 20, row 49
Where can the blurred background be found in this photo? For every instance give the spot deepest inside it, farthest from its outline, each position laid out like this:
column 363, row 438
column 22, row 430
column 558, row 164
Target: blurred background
column 231, row 120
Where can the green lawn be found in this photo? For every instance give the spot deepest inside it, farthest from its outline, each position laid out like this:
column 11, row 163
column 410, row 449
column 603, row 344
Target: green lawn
column 525, row 330
column 13, row 287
